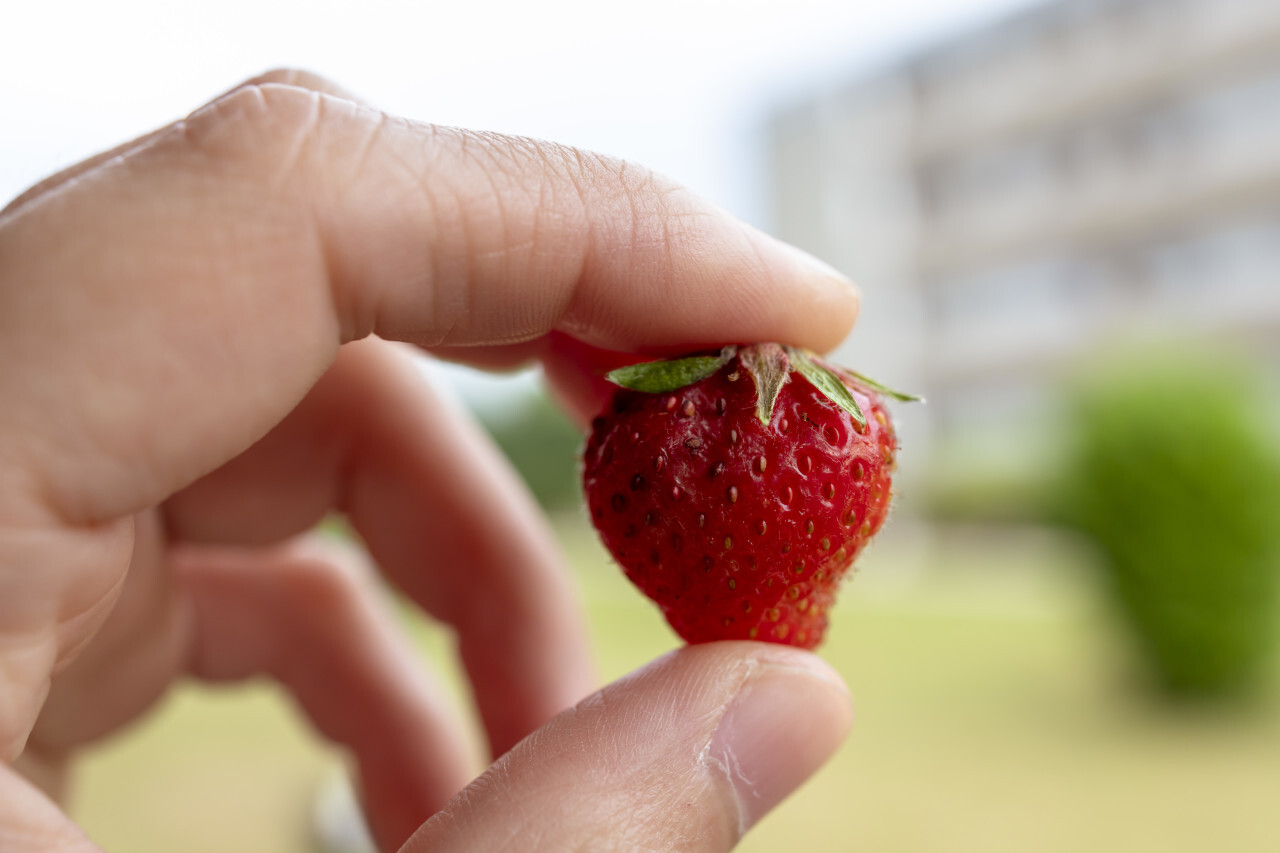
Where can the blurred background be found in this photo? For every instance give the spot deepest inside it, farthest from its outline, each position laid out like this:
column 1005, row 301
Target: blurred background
column 1065, row 220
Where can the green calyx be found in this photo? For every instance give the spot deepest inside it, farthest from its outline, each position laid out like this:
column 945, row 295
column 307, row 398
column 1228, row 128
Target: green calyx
column 770, row 367
column 884, row 389
column 826, row 381
column 656, row 377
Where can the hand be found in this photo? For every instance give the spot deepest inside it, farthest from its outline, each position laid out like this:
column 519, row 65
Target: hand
column 196, row 336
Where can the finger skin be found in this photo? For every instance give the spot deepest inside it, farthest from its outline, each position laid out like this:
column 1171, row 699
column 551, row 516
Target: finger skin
column 683, row 755
column 164, row 309
column 188, row 294
column 308, row 615
column 440, row 511
column 47, row 617
column 128, row 664
column 462, row 535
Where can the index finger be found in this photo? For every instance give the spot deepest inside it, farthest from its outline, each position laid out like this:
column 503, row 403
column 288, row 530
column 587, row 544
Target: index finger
column 163, row 309
column 203, row 281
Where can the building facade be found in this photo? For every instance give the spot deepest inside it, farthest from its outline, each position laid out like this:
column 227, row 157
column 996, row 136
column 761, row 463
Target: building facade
column 1085, row 173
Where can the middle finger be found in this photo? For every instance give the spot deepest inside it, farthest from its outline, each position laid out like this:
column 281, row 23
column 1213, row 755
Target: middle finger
column 440, row 512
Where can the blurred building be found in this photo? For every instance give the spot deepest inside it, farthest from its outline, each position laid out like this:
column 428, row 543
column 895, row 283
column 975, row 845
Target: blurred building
column 1015, row 199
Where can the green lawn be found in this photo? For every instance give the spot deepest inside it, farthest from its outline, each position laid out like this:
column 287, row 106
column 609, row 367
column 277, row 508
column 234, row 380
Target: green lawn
column 995, row 712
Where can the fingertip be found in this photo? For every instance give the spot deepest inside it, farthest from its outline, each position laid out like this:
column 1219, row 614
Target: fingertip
column 784, row 723
column 685, row 753
column 831, row 299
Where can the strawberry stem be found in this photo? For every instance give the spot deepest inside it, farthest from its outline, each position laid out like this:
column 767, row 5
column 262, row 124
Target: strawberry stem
column 770, row 367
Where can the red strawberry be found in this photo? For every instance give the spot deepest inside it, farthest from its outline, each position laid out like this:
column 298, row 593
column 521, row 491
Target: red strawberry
column 736, row 489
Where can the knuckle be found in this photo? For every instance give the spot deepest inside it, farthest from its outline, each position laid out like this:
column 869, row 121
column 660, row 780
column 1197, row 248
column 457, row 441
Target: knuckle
column 285, row 133
column 326, row 581
column 247, row 117
column 284, row 75
column 260, row 130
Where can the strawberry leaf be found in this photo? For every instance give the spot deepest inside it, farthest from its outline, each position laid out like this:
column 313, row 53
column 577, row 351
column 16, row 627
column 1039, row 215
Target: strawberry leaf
column 770, row 367
column 829, row 384
column 655, row 377
column 885, row 389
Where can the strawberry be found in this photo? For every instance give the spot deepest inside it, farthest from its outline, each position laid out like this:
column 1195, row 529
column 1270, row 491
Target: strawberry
column 736, row 489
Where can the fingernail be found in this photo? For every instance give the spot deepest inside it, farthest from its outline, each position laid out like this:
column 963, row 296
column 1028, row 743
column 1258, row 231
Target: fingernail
column 785, row 722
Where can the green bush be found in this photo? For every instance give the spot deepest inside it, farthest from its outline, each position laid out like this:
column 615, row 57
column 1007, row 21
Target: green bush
column 543, row 445
column 1175, row 476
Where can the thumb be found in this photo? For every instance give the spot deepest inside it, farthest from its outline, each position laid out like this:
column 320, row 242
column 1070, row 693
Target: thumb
column 686, row 754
